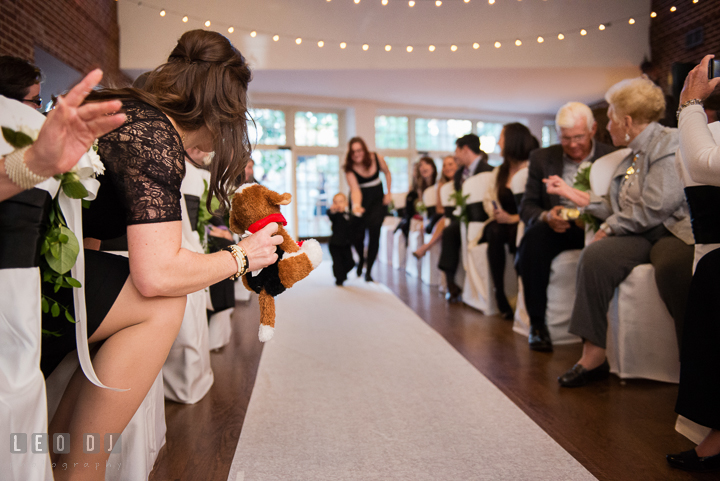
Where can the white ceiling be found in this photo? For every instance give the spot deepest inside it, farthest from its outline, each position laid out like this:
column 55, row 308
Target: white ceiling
column 533, row 78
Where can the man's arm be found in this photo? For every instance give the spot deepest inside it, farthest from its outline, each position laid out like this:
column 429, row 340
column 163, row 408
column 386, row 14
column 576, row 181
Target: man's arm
column 531, row 206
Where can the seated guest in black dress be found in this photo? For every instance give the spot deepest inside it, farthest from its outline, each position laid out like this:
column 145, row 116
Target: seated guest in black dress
column 436, row 223
column 699, row 390
column 196, row 99
column 341, row 239
column 516, row 142
column 424, row 177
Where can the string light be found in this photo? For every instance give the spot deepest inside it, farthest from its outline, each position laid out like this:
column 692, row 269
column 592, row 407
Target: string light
column 518, row 42
column 467, row 1
column 357, row 1
column 343, row 45
column 411, row 3
column 207, row 23
column 453, row 48
column 561, row 36
column 384, row 2
column 653, row 14
column 491, row 2
column 631, row 21
column 298, row 40
column 162, row 13
column 541, row 40
column 409, row 48
column 583, row 32
column 276, row 38
column 231, row 29
column 601, row 27
column 321, row 44
column 438, row 3
column 498, row 45
column 185, row 19
column 253, row 34
column 672, row 9
column 388, row 48
column 365, row 47
column 431, row 48
column 476, row 45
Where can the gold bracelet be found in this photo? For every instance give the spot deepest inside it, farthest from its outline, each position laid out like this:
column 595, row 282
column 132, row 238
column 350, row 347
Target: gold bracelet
column 688, row 104
column 240, row 258
column 18, row 172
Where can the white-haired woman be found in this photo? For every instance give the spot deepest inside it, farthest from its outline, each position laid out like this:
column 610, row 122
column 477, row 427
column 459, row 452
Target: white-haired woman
column 645, row 219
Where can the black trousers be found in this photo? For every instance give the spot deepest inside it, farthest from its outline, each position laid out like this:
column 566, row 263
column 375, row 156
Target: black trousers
column 343, row 261
column 539, row 246
column 372, row 225
column 699, row 392
column 497, row 237
column 450, row 249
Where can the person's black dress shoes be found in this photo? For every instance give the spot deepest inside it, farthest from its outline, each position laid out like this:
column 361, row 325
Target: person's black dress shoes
column 690, row 461
column 539, row 339
column 578, row 376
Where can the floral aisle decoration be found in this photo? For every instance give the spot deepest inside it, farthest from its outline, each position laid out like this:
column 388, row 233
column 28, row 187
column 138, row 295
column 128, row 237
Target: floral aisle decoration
column 460, row 201
column 582, row 182
column 60, row 247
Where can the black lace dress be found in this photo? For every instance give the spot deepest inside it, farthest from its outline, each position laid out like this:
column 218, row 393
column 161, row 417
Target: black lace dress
column 144, row 167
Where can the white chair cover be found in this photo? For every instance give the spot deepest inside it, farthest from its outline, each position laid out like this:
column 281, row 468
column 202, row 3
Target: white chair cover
column 517, row 186
column 187, row 371
column 399, row 200
column 399, row 251
column 641, row 340
column 143, row 436
column 560, row 295
column 602, row 170
column 413, row 266
column 446, row 191
column 220, row 329
column 430, row 274
column 387, row 239
column 429, row 197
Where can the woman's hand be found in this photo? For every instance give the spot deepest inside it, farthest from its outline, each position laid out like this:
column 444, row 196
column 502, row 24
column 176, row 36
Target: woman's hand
column 222, row 233
column 358, row 210
column 502, row 217
column 555, row 185
column 600, row 234
column 387, row 198
column 697, row 85
column 71, row 129
column 260, row 247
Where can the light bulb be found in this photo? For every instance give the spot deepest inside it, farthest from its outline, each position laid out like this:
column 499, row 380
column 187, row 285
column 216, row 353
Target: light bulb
column 298, row 40
column 431, row 48
column 653, row 14
column 476, row 45
column 583, row 32
column 185, row 19
column 409, row 48
column 384, row 2
column 601, row 27
column 518, row 42
column 672, row 9
column 541, row 40
column 276, row 38
column 365, row 47
column 631, row 21
column 162, row 13
column 498, row 45
column 231, row 29
column 453, row 48
column 411, row 3
column 321, row 44
column 253, row 34
column 388, row 48
column 207, row 23
column 561, row 36
column 357, row 1
column 491, row 2
column 438, row 3
column 343, row 45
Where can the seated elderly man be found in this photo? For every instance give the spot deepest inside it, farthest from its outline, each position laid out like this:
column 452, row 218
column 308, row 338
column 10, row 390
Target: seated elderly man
column 547, row 234
column 645, row 221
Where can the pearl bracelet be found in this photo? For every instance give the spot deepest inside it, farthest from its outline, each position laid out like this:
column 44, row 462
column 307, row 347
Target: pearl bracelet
column 18, row 171
column 241, row 258
column 688, row 104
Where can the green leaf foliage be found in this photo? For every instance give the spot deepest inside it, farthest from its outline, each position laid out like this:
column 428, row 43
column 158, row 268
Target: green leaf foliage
column 74, row 190
column 63, row 255
column 55, row 310
column 16, row 139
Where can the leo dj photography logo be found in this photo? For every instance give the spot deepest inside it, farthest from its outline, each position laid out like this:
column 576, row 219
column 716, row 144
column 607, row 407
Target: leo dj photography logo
column 93, row 443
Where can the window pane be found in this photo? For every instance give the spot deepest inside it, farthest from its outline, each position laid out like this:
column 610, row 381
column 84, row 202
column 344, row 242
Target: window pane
column 439, row 134
column 549, row 135
column 489, row 133
column 318, row 180
column 314, row 129
column 399, row 171
column 391, row 132
column 271, row 169
column 269, row 127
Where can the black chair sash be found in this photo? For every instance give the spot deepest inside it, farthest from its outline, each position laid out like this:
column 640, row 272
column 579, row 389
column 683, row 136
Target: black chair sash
column 22, row 224
column 518, row 199
column 449, row 209
column 192, row 202
column 704, row 214
column 476, row 212
column 431, row 211
column 401, row 211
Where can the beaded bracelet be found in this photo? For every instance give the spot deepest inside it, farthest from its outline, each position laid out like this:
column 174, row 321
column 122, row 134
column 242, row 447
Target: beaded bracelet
column 688, row 104
column 240, row 258
column 18, row 172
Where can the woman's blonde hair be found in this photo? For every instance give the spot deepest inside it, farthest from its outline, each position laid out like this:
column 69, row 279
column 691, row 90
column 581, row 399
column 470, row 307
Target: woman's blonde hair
column 637, row 97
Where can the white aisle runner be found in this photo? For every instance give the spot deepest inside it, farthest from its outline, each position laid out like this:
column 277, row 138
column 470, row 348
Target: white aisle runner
column 355, row 386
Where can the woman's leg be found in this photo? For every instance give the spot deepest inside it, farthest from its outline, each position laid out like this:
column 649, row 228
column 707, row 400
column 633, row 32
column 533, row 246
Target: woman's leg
column 138, row 333
column 497, row 236
column 373, row 245
column 436, row 236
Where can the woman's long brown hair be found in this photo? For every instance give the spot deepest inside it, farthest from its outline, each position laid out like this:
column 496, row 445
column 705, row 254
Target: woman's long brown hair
column 203, row 83
column 367, row 159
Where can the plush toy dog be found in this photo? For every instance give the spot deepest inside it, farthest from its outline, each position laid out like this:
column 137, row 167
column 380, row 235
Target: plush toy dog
column 254, row 207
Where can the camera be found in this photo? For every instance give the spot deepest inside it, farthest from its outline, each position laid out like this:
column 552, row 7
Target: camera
column 714, row 69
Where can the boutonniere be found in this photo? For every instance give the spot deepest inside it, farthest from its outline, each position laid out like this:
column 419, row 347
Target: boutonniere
column 582, row 182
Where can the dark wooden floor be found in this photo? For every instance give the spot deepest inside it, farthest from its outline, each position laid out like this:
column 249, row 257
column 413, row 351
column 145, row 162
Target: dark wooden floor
column 617, row 430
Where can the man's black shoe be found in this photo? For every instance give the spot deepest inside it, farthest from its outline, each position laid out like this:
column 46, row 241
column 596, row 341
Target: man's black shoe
column 539, row 339
column 690, row 461
column 578, row 376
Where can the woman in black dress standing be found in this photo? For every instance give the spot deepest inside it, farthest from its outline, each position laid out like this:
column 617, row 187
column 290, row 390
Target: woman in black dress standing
column 367, row 199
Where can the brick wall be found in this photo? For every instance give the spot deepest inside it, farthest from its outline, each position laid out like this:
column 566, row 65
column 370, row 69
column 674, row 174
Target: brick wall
column 82, row 33
column 668, row 31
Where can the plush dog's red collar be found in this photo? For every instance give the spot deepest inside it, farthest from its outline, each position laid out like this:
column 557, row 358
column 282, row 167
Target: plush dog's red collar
column 263, row 222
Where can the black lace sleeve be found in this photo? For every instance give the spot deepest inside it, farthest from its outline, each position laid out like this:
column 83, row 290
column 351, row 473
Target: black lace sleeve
column 144, row 161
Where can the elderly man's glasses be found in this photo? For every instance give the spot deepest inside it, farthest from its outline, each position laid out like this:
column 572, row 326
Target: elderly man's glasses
column 575, row 139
